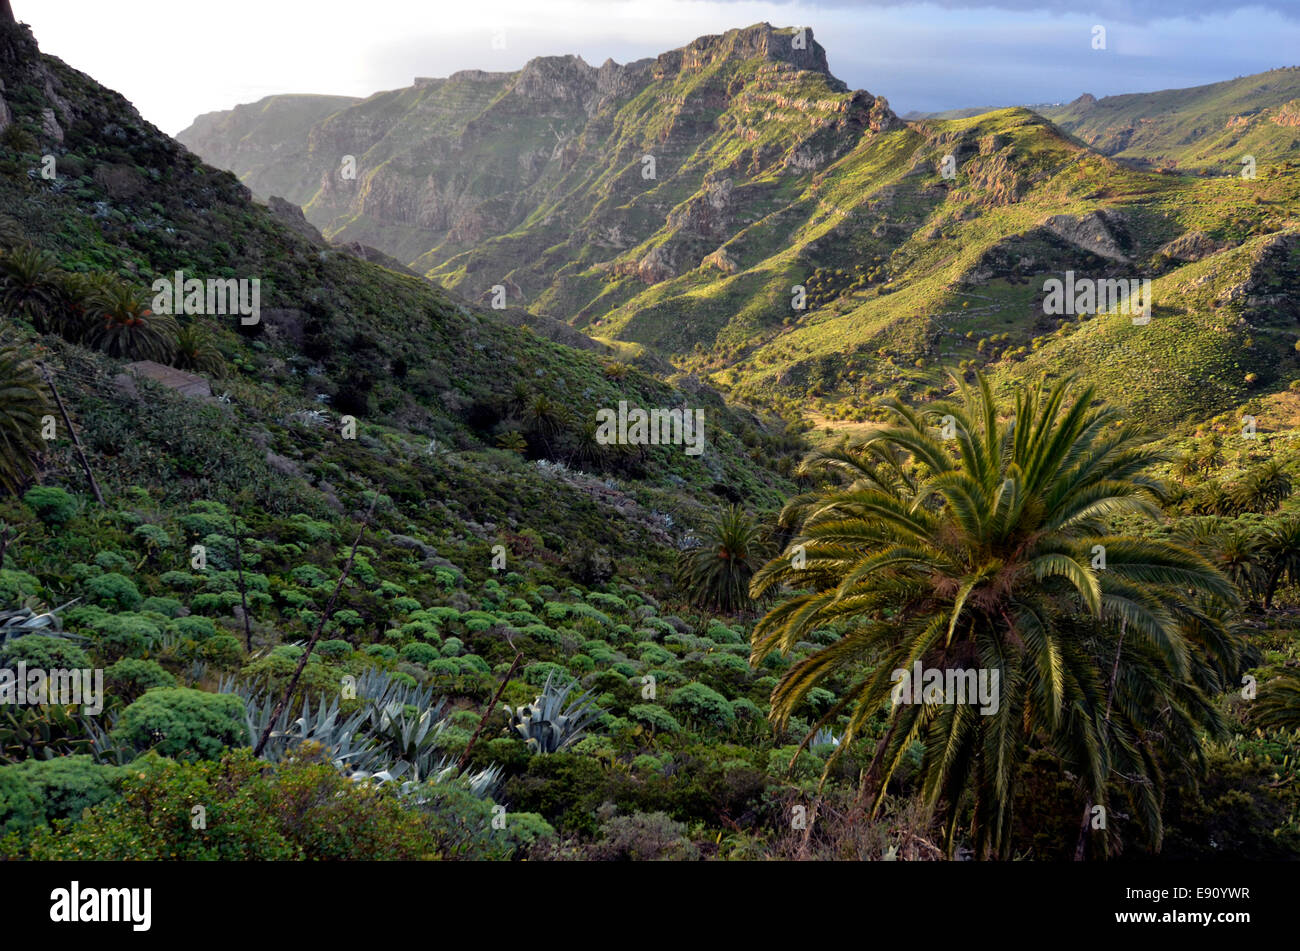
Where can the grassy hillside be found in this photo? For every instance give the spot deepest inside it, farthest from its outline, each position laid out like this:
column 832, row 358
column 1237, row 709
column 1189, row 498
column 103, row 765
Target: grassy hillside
column 1204, row 129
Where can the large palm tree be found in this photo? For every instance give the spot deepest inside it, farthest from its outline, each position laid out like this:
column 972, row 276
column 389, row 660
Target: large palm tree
column 124, row 326
column 990, row 550
column 717, row 572
column 22, row 404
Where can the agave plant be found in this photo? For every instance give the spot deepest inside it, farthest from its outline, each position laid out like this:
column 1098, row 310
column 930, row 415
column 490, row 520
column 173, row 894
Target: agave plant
column 22, row 406
column 125, row 326
column 549, row 724
column 45, row 731
column 25, row 620
column 409, row 736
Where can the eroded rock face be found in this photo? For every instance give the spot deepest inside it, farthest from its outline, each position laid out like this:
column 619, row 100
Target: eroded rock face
column 616, row 156
column 1191, row 246
column 1104, row 233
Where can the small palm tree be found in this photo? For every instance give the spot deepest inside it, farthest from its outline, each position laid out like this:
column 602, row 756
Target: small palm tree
column 22, row 404
column 1278, row 706
column 78, row 296
column 1265, row 488
column 1279, row 548
column 991, row 551
column 195, row 351
column 717, row 573
column 125, row 327
column 30, row 286
column 513, row 440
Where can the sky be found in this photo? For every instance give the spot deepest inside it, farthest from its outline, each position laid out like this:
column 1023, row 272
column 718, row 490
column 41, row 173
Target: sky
column 176, row 59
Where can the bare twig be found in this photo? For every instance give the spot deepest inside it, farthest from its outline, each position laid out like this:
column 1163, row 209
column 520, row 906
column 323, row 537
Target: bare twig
column 76, row 441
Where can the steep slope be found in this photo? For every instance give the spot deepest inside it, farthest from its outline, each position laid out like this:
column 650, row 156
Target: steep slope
column 915, row 247
column 433, row 382
column 1204, row 127
column 264, row 139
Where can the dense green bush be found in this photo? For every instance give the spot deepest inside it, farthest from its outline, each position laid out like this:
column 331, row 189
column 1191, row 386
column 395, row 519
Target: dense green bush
column 182, row 723
column 64, row 786
column 130, row 677
column 52, row 505
column 114, row 590
column 302, row 809
column 703, row 704
column 40, row 650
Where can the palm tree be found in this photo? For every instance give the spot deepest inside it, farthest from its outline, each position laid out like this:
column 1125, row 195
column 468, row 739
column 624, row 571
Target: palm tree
column 1265, row 488
column 990, row 551
column 1236, row 553
column 717, row 572
column 22, row 404
column 1278, row 707
column 1279, row 547
column 30, row 286
column 545, row 418
column 125, row 327
column 195, row 351
column 78, row 296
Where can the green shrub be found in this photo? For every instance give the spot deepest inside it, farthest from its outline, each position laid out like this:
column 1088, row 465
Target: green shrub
column 52, row 505
column 131, row 677
column 224, row 650
column 334, row 648
column 702, row 703
column 419, row 653
column 182, row 723
column 168, row 606
column 302, row 810
column 68, row 785
column 15, row 586
column 654, row 717
column 124, row 635
column 115, row 590
column 111, row 561
column 195, row 628
column 21, row 807
column 49, row 653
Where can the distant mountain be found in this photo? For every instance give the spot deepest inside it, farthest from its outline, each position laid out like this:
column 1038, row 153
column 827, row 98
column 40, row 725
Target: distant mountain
column 1205, row 127
column 684, row 203
column 265, row 138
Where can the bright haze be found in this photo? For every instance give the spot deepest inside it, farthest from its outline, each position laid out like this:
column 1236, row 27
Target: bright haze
column 177, row 60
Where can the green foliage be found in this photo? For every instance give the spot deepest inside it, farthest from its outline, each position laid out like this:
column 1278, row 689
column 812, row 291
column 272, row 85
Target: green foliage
column 52, row 505
column 995, row 570
column 703, row 704
column 115, row 590
column 717, row 573
column 182, row 723
column 43, row 651
column 130, row 677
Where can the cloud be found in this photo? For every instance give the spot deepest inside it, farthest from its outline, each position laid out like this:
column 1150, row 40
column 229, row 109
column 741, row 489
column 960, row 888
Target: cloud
column 1129, row 11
